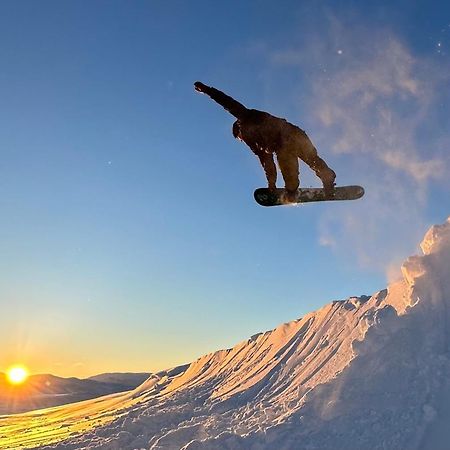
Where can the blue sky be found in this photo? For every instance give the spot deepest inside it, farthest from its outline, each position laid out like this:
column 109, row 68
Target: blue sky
column 130, row 238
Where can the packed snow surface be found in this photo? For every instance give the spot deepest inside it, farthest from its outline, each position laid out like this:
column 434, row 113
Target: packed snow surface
column 364, row 373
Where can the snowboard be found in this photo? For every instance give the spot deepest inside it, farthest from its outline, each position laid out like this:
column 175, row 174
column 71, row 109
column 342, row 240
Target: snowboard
column 305, row 195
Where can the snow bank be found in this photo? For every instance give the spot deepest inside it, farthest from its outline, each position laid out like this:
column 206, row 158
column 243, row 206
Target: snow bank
column 368, row 372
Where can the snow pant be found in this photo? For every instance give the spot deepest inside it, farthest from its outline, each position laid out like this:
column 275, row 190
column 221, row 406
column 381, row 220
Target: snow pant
column 298, row 146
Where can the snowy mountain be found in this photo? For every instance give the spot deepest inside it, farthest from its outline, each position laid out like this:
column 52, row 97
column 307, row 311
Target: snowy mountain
column 44, row 391
column 364, row 373
column 122, row 378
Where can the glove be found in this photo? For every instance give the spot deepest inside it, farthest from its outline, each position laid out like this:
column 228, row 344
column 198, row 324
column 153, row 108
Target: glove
column 200, row 87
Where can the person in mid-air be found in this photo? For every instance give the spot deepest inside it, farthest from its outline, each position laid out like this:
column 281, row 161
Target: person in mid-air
column 265, row 135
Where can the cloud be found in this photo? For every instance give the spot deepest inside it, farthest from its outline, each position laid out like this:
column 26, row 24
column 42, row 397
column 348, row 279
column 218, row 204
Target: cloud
column 373, row 100
column 78, row 365
column 326, row 240
column 372, row 105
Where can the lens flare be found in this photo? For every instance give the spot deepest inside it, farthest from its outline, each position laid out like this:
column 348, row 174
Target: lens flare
column 17, row 374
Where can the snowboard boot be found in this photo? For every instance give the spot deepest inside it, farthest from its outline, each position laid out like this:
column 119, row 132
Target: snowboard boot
column 290, row 196
column 328, row 176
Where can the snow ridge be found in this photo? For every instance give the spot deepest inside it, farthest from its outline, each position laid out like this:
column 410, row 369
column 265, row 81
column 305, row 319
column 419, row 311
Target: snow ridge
column 367, row 372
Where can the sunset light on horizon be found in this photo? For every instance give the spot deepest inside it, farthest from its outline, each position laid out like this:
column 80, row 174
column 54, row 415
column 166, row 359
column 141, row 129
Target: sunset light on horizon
column 17, row 374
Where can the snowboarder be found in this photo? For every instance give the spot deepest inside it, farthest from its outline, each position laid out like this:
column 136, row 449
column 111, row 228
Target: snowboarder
column 265, row 135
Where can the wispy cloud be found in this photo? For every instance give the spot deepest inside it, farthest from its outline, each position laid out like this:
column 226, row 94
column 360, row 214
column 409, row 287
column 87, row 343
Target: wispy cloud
column 372, row 103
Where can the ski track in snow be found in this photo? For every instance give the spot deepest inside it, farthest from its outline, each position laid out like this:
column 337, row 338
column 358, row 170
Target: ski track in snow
column 367, row 372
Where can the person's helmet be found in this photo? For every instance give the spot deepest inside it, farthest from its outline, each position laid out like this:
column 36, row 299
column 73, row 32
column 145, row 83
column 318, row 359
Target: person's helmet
column 237, row 130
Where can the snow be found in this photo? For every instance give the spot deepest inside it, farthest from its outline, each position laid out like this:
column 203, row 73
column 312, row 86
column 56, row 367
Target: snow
column 367, row 372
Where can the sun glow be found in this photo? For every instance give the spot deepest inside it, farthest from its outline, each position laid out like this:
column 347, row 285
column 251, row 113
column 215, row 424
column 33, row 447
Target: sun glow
column 17, row 374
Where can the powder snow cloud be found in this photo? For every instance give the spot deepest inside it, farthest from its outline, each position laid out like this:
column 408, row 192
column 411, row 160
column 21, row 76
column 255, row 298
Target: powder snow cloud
column 372, row 105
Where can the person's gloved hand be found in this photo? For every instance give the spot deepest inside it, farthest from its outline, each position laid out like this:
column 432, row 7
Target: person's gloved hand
column 199, row 86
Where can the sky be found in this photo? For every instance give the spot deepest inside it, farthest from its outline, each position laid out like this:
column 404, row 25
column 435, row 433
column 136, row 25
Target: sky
column 130, row 240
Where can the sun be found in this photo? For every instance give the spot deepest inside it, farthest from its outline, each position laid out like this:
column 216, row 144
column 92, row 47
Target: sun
column 17, row 374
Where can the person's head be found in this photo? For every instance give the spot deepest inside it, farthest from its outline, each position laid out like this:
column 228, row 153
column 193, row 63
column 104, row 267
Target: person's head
column 237, row 130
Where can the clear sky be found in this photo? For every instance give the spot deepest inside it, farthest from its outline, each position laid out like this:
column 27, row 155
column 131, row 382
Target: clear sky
column 130, row 240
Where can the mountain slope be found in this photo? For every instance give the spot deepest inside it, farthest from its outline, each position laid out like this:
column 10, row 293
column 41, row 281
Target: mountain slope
column 368, row 372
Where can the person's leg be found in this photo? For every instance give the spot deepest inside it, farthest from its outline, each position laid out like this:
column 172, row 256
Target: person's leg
column 308, row 153
column 326, row 175
column 288, row 162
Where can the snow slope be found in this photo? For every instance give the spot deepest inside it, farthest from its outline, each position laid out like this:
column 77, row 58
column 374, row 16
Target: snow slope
column 368, row 372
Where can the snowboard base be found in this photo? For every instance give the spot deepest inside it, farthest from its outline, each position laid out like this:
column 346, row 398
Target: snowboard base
column 278, row 197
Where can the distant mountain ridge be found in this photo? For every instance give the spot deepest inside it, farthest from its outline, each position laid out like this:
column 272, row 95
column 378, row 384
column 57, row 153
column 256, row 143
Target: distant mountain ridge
column 124, row 378
column 45, row 390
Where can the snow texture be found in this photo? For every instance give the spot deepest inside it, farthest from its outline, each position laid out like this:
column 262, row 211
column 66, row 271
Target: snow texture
column 364, row 373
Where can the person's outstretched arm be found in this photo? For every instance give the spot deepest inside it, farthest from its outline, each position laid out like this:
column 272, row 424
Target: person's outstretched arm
column 230, row 104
